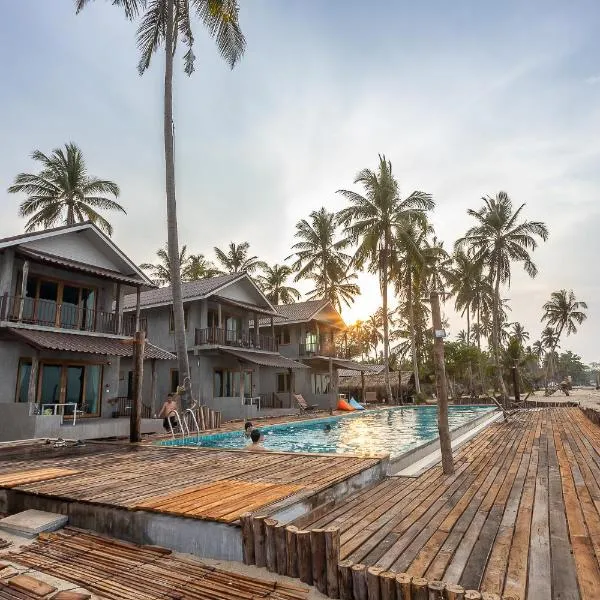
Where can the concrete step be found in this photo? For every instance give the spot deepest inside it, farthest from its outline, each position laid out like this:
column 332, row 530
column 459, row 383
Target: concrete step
column 31, row 522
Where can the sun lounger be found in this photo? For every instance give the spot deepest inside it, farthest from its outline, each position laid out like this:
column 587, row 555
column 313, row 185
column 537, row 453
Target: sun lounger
column 304, row 406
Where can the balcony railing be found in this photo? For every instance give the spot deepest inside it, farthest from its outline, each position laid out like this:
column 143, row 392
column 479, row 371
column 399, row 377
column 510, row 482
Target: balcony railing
column 227, row 337
column 321, row 348
column 32, row 311
column 121, row 407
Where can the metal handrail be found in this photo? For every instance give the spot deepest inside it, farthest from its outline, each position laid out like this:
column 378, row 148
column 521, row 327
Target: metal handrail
column 178, row 421
column 194, row 420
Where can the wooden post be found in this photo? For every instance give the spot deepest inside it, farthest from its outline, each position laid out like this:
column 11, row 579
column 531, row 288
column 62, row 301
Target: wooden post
column 135, row 421
column 419, row 589
column 272, row 328
column 403, row 586
column 219, row 317
column 362, row 386
column 441, row 388
column 454, row 592
column 118, row 315
column 332, row 557
column 290, row 392
column 33, row 378
column 387, row 582
column 490, row 596
column 345, row 580
column 137, row 308
column 256, row 331
column 292, row 551
column 304, row 557
column 260, row 554
column 271, row 548
column 281, row 546
column 359, row 581
column 319, row 559
column 153, row 385
column 472, row 595
column 24, row 276
column 436, row 590
column 515, row 378
column 331, row 388
column 247, row 538
column 373, row 588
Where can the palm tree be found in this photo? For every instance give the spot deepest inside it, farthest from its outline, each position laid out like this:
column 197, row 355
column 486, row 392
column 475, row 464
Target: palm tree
column 519, row 333
column 538, row 350
column 464, row 277
column 197, row 267
column 235, row 259
column 549, row 341
column 563, row 312
column 319, row 252
column 498, row 239
column 335, row 286
column 64, row 186
column 165, row 23
column 273, row 283
column 379, row 222
column 161, row 272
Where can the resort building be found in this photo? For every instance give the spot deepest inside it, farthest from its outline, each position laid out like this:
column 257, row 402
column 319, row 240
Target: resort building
column 63, row 333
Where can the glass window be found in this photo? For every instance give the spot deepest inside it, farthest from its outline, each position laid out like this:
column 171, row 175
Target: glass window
column 23, row 381
column 50, row 392
column 284, row 335
column 213, row 318
column 69, row 312
column 283, row 382
column 320, row 383
column 227, row 383
column 233, row 323
column 74, row 388
column 172, row 319
column 218, row 384
column 93, row 376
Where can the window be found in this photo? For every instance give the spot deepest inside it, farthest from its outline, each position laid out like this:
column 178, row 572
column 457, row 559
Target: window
column 320, row 383
column 174, row 380
column 233, row 323
column 283, row 335
column 312, row 342
column 227, row 383
column 172, row 320
column 283, row 382
column 23, row 380
column 213, row 319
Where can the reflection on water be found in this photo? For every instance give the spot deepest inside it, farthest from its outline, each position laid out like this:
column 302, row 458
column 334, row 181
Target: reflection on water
column 394, row 430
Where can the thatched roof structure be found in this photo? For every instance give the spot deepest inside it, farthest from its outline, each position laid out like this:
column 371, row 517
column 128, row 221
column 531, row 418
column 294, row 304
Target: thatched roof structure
column 376, row 381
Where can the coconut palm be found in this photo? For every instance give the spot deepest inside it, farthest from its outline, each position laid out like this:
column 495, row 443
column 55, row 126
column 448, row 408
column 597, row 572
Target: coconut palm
column 164, row 23
column 379, row 222
column 197, row 267
column 519, row 333
column 463, row 280
column 538, row 350
column 63, row 193
column 549, row 340
column 273, row 284
column 336, row 286
column 235, row 259
column 319, row 252
column 500, row 238
column 161, row 272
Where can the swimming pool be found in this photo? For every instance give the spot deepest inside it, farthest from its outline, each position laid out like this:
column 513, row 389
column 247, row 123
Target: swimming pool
column 394, row 430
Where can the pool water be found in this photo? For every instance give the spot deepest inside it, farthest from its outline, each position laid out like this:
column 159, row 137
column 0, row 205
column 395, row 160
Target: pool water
column 393, row 430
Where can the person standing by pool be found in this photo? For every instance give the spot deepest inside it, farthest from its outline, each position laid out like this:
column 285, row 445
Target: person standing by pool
column 257, row 438
column 168, row 410
column 248, row 428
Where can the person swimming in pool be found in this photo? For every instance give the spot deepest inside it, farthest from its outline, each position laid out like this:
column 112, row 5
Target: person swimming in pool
column 257, row 438
column 327, row 428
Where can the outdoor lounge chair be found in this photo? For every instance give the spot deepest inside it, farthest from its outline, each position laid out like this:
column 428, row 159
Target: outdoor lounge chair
column 304, row 407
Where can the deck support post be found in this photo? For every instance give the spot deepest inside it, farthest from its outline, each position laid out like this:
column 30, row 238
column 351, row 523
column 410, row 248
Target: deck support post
column 135, row 423
column 256, row 332
column 153, row 385
column 359, row 581
column 24, row 276
column 292, row 551
column 260, row 554
column 219, row 316
column 362, row 386
column 331, row 387
column 305, row 565
column 345, row 580
column 319, row 559
column 117, row 323
column 137, row 308
column 332, row 557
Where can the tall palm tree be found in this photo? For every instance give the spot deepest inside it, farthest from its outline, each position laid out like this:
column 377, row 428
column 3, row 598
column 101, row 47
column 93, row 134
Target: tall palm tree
column 197, row 267
column 563, row 312
column 273, row 283
column 334, row 285
column 235, row 259
column 161, row 272
column 63, row 192
column 319, row 252
column 165, row 23
column 549, row 341
column 538, row 350
column 464, row 276
column 498, row 239
column 519, row 333
column 379, row 222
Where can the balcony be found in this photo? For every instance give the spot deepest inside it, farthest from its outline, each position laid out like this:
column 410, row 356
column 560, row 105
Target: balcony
column 320, row 348
column 46, row 313
column 226, row 337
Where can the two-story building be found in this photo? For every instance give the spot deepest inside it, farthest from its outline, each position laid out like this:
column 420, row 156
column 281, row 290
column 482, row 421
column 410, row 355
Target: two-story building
column 230, row 364
column 63, row 333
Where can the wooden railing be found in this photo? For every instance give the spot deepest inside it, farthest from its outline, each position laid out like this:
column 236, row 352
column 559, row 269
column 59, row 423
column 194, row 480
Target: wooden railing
column 228, row 337
column 322, row 348
column 47, row 313
column 122, row 407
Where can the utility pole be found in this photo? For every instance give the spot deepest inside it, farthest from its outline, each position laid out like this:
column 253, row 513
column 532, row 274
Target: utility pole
column 440, row 384
column 135, row 425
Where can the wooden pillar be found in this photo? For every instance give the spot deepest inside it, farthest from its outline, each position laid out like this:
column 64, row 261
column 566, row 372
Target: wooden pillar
column 362, row 386
column 318, row 348
column 332, row 558
column 137, row 309
column 153, row 386
column 272, row 328
column 219, row 316
column 256, row 331
column 515, row 378
column 331, row 388
column 319, row 559
column 118, row 313
column 290, row 392
column 24, row 277
column 33, row 378
column 135, row 427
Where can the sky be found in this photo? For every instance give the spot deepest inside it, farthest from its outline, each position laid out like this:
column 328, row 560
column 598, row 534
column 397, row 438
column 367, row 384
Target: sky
column 466, row 98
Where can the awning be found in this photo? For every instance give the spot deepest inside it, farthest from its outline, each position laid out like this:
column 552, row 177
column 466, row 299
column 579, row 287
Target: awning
column 265, row 359
column 89, row 344
column 338, row 363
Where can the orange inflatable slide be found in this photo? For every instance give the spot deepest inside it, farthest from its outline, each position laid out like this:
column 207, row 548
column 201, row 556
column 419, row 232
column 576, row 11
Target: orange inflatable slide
column 343, row 405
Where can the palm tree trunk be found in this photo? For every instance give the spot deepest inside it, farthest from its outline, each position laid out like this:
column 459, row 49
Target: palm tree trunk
column 496, row 340
column 70, row 215
column 384, row 298
column 172, row 235
column 413, row 343
column 468, row 325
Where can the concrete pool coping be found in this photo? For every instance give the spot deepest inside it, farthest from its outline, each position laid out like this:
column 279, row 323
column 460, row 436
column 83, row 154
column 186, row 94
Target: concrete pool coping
column 414, row 462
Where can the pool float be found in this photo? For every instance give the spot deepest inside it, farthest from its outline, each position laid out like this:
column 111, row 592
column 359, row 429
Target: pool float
column 343, row 405
column 355, row 405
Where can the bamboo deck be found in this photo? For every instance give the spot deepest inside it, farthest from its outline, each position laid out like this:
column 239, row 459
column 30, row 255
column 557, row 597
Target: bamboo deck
column 520, row 517
column 120, row 571
column 204, row 484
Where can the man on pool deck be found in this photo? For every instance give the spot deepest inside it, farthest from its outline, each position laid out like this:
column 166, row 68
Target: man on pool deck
column 248, row 428
column 168, row 412
column 256, row 438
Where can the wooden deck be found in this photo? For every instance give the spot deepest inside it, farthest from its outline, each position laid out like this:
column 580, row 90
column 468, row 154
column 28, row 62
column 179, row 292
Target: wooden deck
column 520, row 517
column 120, row 571
column 192, row 482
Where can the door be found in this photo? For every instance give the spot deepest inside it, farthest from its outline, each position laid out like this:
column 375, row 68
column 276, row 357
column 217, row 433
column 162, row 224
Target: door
column 74, row 382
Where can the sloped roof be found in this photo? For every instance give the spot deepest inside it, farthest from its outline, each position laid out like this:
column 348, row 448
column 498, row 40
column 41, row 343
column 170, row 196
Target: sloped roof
column 368, row 369
column 377, row 380
column 297, row 312
column 202, row 288
column 265, row 359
